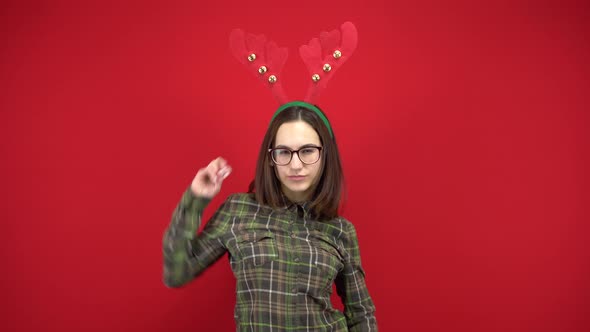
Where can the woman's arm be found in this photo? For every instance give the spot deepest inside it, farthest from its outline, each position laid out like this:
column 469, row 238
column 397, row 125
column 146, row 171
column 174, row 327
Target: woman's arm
column 186, row 255
column 350, row 286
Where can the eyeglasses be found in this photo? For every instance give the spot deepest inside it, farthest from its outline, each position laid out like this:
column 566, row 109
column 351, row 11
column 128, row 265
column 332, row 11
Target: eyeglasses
column 307, row 154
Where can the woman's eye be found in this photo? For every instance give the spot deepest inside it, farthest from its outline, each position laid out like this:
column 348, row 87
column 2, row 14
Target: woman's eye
column 283, row 152
column 308, row 151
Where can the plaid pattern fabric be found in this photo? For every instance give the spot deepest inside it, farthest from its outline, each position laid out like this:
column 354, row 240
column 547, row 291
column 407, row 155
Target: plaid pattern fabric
column 285, row 264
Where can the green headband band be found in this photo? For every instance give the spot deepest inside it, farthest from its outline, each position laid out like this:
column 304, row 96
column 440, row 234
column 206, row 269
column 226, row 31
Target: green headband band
column 306, row 106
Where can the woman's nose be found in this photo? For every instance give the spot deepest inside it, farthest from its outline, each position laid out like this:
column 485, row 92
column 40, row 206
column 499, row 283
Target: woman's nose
column 295, row 161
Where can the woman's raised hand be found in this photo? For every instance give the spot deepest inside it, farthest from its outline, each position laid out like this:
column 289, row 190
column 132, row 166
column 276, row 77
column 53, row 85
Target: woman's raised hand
column 207, row 182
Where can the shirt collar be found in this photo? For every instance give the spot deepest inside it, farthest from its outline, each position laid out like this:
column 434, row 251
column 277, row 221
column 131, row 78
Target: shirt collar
column 293, row 206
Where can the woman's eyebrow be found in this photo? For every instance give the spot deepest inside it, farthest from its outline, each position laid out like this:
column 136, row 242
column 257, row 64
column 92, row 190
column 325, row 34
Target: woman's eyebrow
column 301, row 147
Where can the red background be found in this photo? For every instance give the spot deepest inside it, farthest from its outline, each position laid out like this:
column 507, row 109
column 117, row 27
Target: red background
column 462, row 128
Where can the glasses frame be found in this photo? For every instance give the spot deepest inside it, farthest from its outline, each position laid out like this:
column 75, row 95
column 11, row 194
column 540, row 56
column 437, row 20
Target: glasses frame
column 320, row 148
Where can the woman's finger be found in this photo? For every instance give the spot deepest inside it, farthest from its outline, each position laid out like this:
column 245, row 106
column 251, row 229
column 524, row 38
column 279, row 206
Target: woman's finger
column 224, row 172
column 220, row 162
column 212, row 175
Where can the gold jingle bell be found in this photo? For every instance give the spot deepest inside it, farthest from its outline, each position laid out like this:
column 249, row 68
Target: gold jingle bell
column 315, row 77
column 337, row 54
column 251, row 57
column 272, row 79
column 327, row 67
column 262, row 69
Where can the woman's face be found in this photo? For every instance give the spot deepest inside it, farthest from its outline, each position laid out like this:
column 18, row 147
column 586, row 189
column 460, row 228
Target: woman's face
column 298, row 180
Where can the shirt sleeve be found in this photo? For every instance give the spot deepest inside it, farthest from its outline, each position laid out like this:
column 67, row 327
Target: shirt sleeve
column 350, row 286
column 185, row 254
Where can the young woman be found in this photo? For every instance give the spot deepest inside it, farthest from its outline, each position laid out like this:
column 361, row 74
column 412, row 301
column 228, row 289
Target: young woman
column 286, row 242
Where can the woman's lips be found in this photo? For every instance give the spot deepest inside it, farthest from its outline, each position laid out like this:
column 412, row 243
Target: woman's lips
column 296, row 178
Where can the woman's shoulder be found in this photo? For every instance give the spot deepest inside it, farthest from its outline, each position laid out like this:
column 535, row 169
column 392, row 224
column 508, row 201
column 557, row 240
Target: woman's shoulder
column 338, row 227
column 241, row 198
column 243, row 203
column 341, row 222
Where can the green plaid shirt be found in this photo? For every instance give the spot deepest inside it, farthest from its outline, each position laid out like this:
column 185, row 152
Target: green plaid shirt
column 284, row 261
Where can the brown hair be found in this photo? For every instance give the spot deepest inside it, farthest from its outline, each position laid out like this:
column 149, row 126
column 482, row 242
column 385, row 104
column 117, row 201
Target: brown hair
column 266, row 186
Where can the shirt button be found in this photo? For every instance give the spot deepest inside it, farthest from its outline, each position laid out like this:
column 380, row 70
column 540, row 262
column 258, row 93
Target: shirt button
column 294, row 290
column 293, row 235
column 297, row 259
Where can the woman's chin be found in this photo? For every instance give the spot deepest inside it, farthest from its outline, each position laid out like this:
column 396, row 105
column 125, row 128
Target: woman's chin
column 297, row 190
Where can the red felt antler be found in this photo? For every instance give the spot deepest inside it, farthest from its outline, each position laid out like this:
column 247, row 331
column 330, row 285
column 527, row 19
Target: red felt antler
column 325, row 55
column 263, row 58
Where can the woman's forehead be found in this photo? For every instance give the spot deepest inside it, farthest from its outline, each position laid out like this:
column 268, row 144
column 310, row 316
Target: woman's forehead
column 296, row 134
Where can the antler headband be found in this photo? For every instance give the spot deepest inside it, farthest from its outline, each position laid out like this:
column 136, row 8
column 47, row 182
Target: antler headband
column 323, row 57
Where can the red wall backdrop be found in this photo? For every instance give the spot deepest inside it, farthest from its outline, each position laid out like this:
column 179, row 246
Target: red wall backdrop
column 462, row 128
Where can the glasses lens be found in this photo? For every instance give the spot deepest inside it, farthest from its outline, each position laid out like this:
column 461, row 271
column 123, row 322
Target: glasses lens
column 281, row 156
column 309, row 155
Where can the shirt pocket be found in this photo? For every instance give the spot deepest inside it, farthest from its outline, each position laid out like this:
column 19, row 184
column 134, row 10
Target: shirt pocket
column 256, row 248
column 327, row 255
